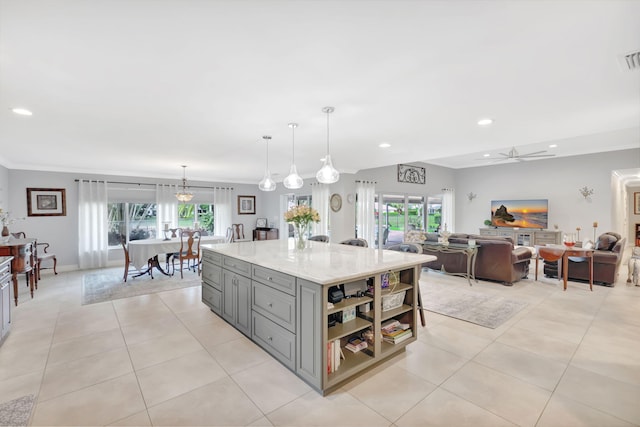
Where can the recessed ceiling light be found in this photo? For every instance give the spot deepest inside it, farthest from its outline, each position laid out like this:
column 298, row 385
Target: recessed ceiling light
column 485, row 122
column 553, row 146
column 22, row 111
column 486, row 155
column 384, row 145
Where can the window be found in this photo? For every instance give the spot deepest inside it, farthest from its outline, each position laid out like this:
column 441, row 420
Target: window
column 190, row 215
column 137, row 221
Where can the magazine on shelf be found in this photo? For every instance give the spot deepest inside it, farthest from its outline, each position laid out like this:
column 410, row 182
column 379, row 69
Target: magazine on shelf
column 356, row 344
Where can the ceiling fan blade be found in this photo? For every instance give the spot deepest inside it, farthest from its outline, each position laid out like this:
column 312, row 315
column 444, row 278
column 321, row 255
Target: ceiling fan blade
column 538, row 155
column 534, row 153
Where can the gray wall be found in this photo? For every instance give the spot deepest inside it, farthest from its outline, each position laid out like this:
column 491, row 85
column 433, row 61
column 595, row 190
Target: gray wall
column 557, row 180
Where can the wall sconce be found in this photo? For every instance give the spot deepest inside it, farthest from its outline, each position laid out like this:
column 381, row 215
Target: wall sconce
column 471, row 196
column 586, row 192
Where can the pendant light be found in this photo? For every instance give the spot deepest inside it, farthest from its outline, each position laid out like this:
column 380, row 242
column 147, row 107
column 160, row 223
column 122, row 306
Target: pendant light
column 267, row 183
column 293, row 180
column 327, row 173
column 184, row 195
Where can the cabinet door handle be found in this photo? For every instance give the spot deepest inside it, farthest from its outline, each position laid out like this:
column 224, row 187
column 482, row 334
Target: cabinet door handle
column 270, row 304
column 269, row 338
column 270, row 279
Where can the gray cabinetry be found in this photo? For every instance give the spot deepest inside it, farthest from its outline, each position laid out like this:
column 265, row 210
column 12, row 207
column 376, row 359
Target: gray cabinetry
column 236, row 301
column 310, row 361
column 212, row 281
column 5, row 296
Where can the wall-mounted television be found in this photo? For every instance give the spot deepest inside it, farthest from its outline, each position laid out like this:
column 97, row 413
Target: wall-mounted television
column 520, row 213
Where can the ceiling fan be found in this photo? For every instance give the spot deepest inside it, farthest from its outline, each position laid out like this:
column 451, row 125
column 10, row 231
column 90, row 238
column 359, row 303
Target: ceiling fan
column 514, row 155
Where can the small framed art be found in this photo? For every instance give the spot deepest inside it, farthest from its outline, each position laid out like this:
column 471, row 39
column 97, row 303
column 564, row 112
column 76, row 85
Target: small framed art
column 261, row 223
column 46, row 202
column 246, row 205
column 411, row 174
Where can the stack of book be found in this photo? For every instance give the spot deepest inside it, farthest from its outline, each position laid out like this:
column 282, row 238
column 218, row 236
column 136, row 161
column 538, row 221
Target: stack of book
column 356, row 344
column 395, row 332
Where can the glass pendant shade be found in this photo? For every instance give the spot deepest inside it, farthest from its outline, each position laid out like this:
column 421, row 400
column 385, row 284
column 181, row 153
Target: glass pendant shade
column 327, row 173
column 293, row 180
column 267, row 183
column 184, row 195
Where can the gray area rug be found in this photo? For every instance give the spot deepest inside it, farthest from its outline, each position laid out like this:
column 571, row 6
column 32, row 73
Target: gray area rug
column 107, row 285
column 483, row 309
column 16, row 412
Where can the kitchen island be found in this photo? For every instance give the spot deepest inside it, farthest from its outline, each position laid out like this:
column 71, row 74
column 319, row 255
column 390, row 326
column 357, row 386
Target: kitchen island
column 279, row 297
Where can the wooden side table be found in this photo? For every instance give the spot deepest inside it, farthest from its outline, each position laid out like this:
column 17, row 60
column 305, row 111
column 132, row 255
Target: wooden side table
column 579, row 252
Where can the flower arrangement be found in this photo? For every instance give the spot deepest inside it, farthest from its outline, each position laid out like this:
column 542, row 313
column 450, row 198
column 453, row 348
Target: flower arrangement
column 5, row 218
column 301, row 216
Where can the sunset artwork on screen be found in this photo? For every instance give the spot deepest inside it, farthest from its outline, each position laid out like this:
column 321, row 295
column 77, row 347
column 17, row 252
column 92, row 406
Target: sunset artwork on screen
column 520, row 213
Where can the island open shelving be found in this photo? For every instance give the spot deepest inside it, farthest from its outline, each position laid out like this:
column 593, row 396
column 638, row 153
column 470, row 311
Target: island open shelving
column 288, row 302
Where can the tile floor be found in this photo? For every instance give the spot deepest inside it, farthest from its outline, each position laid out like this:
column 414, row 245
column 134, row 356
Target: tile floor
column 568, row 359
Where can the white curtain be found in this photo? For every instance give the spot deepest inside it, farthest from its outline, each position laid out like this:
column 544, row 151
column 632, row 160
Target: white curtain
column 222, row 210
column 167, row 207
column 92, row 224
column 365, row 212
column 448, row 210
column 320, row 202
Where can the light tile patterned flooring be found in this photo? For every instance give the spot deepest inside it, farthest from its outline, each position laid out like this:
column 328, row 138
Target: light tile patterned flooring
column 568, row 359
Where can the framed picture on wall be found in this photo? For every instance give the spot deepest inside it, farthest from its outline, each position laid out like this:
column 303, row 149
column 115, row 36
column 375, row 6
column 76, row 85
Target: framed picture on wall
column 636, row 203
column 246, row 205
column 46, row 202
column 412, row 174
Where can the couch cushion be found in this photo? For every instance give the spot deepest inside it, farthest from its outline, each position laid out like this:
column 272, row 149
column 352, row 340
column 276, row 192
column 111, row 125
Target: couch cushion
column 606, row 242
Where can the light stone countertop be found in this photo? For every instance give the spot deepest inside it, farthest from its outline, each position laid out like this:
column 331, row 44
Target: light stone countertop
column 323, row 263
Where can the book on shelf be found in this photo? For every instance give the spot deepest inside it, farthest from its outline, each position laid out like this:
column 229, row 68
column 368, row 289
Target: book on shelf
column 399, row 337
column 356, row 344
column 334, row 354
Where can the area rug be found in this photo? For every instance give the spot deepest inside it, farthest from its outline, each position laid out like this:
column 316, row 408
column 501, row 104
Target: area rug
column 107, row 285
column 16, row 412
column 483, row 309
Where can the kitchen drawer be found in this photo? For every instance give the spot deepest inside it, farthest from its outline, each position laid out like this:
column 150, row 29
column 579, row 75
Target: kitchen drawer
column 212, row 275
column 212, row 297
column 213, row 257
column 274, row 305
column 275, row 279
column 276, row 340
column 236, row 265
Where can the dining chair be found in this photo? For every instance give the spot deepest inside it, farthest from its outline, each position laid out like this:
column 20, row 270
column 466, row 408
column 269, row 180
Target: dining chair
column 413, row 248
column 238, row 233
column 355, row 242
column 44, row 256
column 229, row 236
column 127, row 261
column 319, row 238
column 189, row 251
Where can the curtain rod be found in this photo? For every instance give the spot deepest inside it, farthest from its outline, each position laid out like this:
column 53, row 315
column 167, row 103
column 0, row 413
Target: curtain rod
column 147, row 183
column 367, row 182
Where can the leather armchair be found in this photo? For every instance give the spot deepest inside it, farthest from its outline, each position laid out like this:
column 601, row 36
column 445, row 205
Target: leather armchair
column 606, row 261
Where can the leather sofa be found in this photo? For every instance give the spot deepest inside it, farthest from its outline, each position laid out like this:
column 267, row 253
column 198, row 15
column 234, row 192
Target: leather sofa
column 606, row 262
column 497, row 260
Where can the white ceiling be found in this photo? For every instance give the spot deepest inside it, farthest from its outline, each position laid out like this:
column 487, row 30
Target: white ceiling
column 140, row 87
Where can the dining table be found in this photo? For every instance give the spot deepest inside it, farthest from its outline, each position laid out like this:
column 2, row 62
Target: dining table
column 144, row 253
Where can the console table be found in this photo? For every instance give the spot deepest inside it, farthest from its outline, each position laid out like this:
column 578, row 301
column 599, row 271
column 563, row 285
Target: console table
column 265, row 233
column 469, row 251
column 22, row 251
column 525, row 236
